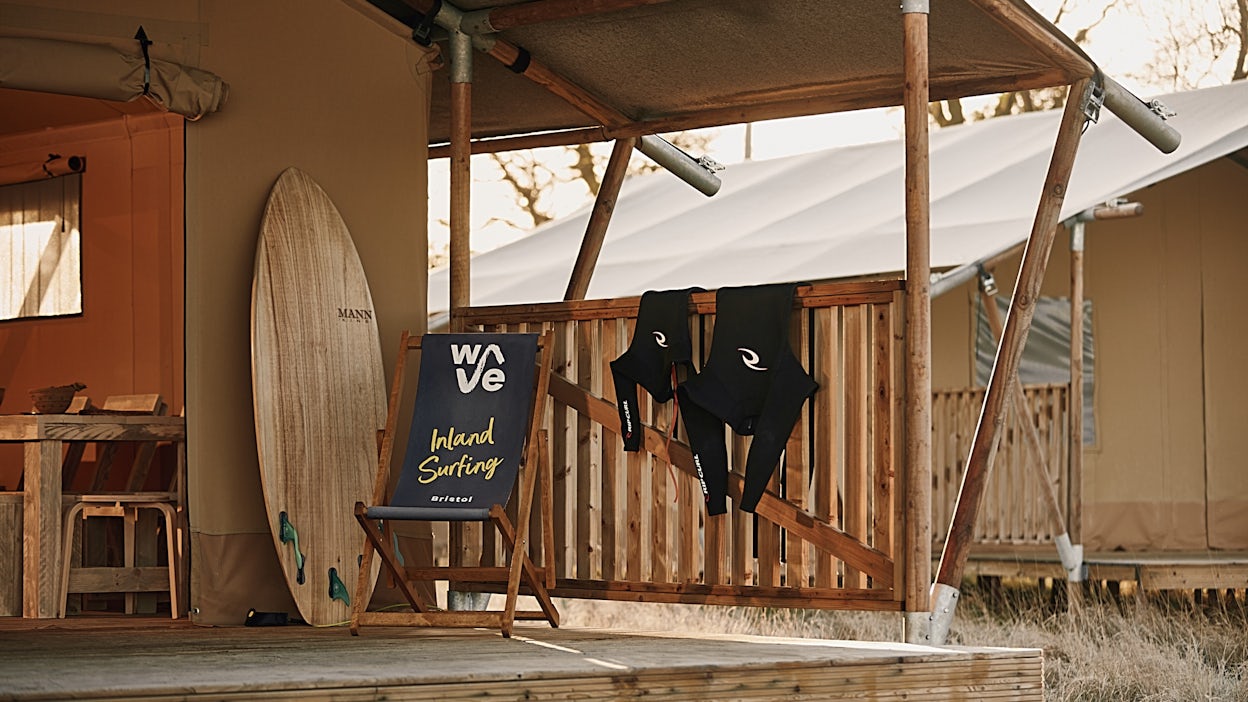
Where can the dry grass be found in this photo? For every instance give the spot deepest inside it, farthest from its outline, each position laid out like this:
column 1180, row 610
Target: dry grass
column 1106, row 648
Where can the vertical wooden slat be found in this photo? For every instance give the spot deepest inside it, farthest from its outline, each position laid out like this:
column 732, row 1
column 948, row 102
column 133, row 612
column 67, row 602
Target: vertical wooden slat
column 660, row 499
column 742, row 525
column 611, row 447
column 882, row 461
column 768, row 568
column 560, row 451
column 634, row 490
column 795, row 462
column 828, row 375
column 857, row 400
column 586, row 506
column 688, row 510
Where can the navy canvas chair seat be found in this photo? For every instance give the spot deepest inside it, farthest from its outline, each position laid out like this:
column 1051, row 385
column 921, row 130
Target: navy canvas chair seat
column 474, row 440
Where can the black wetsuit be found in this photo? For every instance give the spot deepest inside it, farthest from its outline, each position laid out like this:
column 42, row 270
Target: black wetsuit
column 753, row 382
column 660, row 342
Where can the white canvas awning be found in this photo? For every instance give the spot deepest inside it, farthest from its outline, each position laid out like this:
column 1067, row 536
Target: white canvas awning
column 840, row 213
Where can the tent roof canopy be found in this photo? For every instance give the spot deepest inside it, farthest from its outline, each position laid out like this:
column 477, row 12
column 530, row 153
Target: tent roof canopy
column 666, row 65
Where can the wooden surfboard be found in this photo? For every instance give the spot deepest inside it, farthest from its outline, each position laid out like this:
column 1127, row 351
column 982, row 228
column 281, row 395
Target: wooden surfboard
column 319, row 393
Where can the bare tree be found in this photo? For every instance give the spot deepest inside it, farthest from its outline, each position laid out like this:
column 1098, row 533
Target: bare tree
column 1200, row 42
column 534, row 174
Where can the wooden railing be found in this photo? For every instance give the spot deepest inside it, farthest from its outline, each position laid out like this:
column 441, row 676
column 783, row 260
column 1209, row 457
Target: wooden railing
column 633, row 526
column 1013, row 511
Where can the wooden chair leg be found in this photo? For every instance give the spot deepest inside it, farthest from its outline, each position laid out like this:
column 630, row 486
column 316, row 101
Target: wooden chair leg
column 170, row 528
column 67, row 552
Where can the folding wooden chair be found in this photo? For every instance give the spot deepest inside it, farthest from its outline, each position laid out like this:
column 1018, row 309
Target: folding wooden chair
column 480, row 399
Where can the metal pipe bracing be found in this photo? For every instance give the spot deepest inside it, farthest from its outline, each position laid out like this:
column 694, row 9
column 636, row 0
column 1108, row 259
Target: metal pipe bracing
column 951, row 279
column 695, row 172
column 1147, row 119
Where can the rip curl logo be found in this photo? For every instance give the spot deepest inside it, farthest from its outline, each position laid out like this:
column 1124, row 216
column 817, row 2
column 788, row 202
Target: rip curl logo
column 750, row 358
column 628, row 418
column 490, row 380
column 660, row 338
column 349, row 314
column 697, row 463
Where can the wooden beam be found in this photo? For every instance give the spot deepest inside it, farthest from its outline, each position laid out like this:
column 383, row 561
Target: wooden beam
column 807, row 296
column 565, row 137
column 918, row 368
column 1032, row 29
column 499, row 19
column 41, row 530
column 511, row 56
column 596, row 230
column 1013, row 338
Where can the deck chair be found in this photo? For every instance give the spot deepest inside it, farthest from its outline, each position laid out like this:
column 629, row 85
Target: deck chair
column 480, row 399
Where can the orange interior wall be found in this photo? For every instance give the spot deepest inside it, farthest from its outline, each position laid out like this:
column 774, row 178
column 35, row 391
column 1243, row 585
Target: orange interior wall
column 129, row 338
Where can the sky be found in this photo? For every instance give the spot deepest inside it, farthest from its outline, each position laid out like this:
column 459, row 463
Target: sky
column 1123, row 44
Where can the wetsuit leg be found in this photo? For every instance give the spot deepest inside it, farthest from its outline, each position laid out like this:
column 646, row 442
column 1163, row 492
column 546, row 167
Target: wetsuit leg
column 789, row 388
column 626, row 404
column 710, row 457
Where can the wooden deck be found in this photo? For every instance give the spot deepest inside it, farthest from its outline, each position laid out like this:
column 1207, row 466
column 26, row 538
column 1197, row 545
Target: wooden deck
column 1152, row 571
column 89, row 658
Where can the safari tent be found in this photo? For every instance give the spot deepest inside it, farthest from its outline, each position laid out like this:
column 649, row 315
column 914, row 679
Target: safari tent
column 349, row 92
column 1160, row 483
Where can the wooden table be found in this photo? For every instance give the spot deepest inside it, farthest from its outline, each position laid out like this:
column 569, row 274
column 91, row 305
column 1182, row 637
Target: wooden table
column 43, row 436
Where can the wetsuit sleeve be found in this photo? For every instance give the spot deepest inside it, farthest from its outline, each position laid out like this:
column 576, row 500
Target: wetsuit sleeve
column 781, row 409
column 626, row 405
column 710, row 457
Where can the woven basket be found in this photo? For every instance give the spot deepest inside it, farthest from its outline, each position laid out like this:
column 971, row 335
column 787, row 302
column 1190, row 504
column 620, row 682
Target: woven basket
column 54, row 399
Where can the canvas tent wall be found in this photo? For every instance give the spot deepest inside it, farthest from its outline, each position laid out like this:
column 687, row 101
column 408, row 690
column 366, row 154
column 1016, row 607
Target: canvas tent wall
column 835, row 214
column 321, row 85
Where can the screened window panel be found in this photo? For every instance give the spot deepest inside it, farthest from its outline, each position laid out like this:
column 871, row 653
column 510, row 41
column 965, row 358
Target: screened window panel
column 41, row 248
column 1046, row 358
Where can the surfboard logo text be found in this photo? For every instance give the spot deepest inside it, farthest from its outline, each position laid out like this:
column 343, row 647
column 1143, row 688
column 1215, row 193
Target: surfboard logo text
column 490, row 380
column 350, row 314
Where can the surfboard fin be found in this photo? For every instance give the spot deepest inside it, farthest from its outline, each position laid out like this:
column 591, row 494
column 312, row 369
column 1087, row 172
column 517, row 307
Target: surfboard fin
column 288, row 535
column 337, row 590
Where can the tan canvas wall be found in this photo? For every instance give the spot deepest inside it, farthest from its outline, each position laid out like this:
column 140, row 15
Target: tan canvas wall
column 317, row 85
column 1167, row 471
column 1220, row 189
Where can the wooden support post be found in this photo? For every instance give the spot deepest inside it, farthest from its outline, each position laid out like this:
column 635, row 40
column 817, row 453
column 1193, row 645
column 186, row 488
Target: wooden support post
column 461, row 549
column 596, row 230
column 918, row 375
column 460, row 173
column 1013, row 338
column 1074, row 483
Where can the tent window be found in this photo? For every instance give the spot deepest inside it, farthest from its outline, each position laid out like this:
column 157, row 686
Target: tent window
column 1046, row 358
column 41, row 248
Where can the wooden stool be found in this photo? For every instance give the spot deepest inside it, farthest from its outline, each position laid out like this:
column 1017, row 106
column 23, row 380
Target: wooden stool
column 128, row 578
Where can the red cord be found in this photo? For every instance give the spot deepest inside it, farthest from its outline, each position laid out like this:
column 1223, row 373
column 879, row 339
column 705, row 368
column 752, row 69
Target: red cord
column 671, row 429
